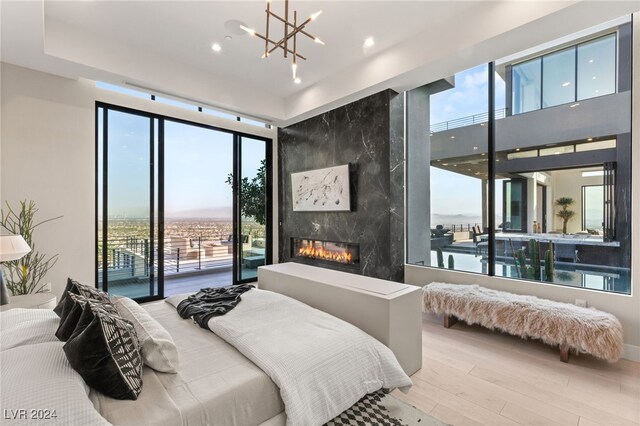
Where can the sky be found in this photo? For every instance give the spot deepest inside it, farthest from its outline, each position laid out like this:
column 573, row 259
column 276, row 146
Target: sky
column 197, row 162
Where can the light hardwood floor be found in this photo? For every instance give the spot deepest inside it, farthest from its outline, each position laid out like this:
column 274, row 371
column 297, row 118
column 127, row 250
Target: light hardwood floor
column 472, row 376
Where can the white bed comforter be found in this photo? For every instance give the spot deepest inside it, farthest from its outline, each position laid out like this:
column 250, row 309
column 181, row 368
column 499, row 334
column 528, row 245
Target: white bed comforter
column 321, row 364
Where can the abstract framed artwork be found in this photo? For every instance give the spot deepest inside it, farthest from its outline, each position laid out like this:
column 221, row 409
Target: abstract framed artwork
column 321, row 190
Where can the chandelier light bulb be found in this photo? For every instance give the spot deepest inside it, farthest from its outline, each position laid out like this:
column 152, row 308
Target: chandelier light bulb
column 315, row 15
column 249, row 30
column 294, row 68
column 317, row 40
column 297, row 80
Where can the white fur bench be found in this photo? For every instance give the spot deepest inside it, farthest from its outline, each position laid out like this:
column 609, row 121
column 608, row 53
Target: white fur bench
column 585, row 330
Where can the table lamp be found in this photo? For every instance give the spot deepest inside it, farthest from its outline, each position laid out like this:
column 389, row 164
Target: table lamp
column 12, row 247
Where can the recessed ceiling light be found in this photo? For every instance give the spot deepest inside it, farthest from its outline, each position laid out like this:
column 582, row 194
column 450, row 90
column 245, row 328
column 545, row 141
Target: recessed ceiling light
column 517, row 149
column 566, row 83
column 590, row 61
column 297, row 80
column 593, row 78
column 453, row 137
column 589, row 140
column 228, row 37
column 369, row 41
column 216, row 47
column 574, row 105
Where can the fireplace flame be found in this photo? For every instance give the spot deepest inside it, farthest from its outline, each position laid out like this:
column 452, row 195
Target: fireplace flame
column 324, row 254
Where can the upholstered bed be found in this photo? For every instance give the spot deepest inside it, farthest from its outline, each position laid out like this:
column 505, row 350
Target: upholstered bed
column 215, row 383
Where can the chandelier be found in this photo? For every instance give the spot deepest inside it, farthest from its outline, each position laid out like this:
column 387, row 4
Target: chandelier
column 288, row 42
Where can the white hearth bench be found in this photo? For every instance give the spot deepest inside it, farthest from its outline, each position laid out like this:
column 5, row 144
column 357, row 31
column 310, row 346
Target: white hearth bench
column 386, row 310
column 570, row 327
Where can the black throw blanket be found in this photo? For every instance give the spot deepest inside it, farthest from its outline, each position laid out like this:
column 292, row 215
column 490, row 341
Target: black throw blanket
column 211, row 302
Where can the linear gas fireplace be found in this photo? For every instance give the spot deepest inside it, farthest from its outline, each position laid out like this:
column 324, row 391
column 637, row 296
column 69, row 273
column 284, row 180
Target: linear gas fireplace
column 312, row 251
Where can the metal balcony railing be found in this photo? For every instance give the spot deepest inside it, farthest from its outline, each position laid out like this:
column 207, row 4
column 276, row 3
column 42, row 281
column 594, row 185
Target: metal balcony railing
column 130, row 257
column 466, row 121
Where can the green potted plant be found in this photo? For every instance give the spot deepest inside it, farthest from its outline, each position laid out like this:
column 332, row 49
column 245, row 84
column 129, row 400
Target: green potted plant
column 565, row 214
column 25, row 274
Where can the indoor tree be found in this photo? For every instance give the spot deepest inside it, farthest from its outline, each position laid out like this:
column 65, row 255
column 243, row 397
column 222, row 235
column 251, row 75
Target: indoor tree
column 565, row 214
column 24, row 275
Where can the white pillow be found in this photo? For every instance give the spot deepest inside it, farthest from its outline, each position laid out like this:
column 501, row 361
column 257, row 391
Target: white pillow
column 40, row 387
column 157, row 347
column 26, row 327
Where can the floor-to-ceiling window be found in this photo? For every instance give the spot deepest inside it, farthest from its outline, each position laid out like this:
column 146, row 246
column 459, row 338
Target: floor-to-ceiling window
column 536, row 185
column 179, row 205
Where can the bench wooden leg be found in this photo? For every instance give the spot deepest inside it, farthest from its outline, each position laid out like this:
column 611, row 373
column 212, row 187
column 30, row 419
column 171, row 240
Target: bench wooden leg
column 564, row 353
column 449, row 320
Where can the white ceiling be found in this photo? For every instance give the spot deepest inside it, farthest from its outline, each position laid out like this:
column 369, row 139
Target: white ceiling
column 184, row 32
column 166, row 45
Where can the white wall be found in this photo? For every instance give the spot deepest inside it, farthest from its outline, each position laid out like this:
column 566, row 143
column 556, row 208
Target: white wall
column 568, row 183
column 626, row 308
column 47, row 154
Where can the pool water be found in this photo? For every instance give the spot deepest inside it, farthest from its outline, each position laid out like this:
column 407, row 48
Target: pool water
column 617, row 280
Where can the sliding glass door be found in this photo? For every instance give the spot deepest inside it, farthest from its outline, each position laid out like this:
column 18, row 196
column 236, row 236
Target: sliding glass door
column 179, row 206
column 126, row 240
column 253, row 211
column 198, row 207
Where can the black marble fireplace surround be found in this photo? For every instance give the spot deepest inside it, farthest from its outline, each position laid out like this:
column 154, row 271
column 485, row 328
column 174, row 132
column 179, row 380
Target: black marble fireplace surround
column 368, row 134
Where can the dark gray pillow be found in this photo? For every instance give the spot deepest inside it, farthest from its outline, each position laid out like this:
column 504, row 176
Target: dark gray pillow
column 74, row 287
column 70, row 288
column 74, row 306
column 106, row 353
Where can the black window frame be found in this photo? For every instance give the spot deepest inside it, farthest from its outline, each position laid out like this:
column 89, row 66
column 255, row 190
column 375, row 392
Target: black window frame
column 575, row 48
column 160, row 119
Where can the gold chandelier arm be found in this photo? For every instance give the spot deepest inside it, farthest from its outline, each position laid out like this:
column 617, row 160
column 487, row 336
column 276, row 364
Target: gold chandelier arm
column 295, row 38
column 286, row 27
column 285, row 22
column 291, row 34
column 266, row 41
column 281, row 47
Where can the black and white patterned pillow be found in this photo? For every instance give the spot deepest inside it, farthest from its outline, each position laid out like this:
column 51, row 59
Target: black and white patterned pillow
column 74, row 287
column 72, row 310
column 106, row 353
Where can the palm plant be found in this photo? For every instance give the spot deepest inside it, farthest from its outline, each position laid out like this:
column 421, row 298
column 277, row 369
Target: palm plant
column 24, row 275
column 565, row 214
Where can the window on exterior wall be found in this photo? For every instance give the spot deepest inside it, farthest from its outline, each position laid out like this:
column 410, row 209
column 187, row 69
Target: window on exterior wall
column 552, row 79
column 453, row 209
column 559, row 78
column 180, row 104
column 123, row 90
column 560, row 187
column 597, row 68
column 253, row 122
column 527, row 86
column 176, row 103
column 220, row 114
column 592, row 208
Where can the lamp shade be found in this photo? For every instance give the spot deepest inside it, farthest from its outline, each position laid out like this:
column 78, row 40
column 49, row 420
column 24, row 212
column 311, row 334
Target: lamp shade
column 12, row 247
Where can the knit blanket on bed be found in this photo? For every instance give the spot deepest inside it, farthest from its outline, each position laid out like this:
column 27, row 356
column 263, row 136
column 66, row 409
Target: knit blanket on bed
column 211, row 302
